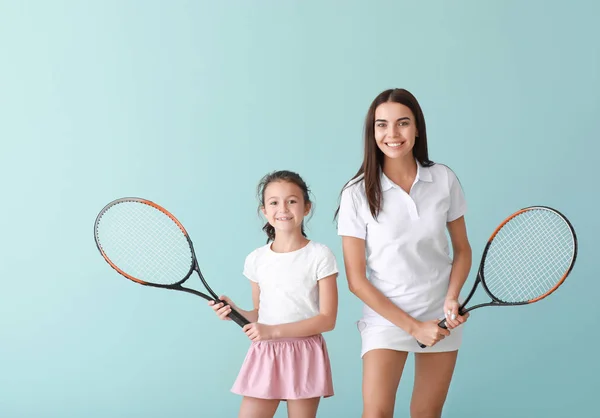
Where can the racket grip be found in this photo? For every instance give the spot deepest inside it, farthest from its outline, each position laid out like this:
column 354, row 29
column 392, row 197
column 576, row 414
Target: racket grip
column 234, row 315
column 238, row 318
column 441, row 324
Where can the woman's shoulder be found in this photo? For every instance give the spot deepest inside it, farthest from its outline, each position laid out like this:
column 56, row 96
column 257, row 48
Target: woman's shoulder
column 441, row 171
column 356, row 183
column 355, row 188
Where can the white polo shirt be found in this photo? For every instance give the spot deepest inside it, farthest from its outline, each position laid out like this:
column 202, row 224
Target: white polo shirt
column 407, row 249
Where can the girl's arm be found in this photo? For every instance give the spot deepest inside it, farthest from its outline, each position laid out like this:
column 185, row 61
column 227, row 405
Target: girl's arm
column 323, row 322
column 355, row 263
column 461, row 265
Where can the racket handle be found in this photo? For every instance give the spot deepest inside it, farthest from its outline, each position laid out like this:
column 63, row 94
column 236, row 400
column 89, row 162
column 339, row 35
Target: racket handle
column 238, row 318
column 234, row 315
column 441, row 324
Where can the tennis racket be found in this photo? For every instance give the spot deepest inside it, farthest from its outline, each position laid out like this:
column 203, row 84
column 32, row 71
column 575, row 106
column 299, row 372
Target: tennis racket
column 529, row 255
column 145, row 243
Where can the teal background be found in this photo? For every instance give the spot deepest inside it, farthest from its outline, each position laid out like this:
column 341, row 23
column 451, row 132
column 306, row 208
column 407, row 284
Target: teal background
column 189, row 103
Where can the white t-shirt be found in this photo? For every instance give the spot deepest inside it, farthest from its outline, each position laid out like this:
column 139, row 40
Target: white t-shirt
column 407, row 250
column 289, row 291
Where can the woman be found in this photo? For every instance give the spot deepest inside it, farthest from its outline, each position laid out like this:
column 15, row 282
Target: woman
column 393, row 217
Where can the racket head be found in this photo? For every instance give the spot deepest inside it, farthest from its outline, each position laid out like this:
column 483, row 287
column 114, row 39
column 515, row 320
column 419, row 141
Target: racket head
column 144, row 242
column 528, row 256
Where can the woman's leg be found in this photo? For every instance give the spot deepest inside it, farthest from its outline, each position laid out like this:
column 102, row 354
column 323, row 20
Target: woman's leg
column 433, row 374
column 382, row 370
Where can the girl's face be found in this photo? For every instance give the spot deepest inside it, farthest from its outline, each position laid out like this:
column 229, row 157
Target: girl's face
column 284, row 207
column 395, row 130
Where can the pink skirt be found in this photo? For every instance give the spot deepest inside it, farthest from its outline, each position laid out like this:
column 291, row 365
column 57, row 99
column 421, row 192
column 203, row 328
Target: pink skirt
column 288, row 368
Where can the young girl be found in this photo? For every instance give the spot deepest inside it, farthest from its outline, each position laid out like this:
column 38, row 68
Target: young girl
column 294, row 292
column 392, row 218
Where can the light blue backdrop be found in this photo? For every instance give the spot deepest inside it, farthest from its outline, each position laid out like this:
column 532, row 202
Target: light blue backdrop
column 189, row 103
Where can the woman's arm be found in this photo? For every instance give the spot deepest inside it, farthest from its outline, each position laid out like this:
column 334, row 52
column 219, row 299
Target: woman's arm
column 461, row 265
column 355, row 263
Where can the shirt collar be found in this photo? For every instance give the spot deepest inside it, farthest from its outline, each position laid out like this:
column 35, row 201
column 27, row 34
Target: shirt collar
column 423, row 174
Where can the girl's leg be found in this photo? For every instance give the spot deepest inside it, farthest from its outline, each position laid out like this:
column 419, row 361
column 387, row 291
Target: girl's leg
column 258, row 408
column 303, row 408
column 382, row 370
column 433, row 373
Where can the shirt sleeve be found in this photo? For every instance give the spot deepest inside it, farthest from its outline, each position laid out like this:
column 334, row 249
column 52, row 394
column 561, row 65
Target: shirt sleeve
column 458, row 204
column 250, row 267
column 350, row 221
column 327, row 264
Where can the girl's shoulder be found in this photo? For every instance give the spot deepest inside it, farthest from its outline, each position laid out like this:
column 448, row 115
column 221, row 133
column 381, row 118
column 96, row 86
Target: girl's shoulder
column 258, row 253
column 320, row 249
column 318, row 245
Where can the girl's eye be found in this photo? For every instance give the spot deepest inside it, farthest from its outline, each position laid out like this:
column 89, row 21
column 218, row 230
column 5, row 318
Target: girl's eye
column 273, row 203
column 292, row 201
column 381, row 125
column 405, row 123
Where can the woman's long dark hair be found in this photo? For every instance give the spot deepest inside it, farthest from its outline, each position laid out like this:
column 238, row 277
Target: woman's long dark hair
column 373, row 157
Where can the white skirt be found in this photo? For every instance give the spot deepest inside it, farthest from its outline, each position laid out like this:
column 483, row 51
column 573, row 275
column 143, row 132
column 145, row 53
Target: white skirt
column 391, row 337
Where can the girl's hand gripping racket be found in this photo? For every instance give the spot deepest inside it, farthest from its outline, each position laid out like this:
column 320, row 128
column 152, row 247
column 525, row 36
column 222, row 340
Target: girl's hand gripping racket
column 145, row 243
column 528, row 257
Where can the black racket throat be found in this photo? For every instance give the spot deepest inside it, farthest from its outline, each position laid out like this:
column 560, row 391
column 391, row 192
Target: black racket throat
column 234, row 315
column 494, row 300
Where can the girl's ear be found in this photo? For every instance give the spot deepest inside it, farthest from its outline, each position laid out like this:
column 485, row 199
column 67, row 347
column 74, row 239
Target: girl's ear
column 264, row 212
column 307, row 208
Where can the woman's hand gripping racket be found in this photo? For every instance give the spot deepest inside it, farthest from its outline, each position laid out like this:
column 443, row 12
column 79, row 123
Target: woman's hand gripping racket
column 528, row 257
column 145, row 243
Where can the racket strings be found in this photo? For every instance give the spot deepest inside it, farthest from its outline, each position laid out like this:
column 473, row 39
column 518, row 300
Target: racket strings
column 144, row 243
column 149, row 253
column 529, row 256
column 528, row 270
